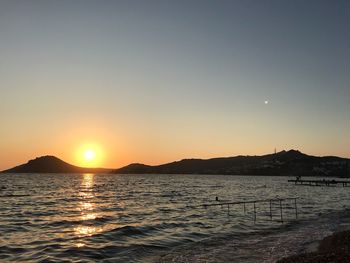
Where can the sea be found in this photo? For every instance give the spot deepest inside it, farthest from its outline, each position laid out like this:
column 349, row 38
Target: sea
column 161, row 218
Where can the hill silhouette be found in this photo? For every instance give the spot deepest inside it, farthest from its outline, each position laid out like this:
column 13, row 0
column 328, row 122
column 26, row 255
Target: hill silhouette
column 291, row 163
column 51, row 164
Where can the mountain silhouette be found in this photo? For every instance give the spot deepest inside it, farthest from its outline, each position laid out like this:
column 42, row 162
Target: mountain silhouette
column 290, row 163
column 51, row 164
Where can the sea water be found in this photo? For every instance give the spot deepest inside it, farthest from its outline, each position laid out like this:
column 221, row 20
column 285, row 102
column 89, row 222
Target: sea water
column 160, row 218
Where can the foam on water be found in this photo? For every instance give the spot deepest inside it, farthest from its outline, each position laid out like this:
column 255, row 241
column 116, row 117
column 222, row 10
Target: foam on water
column 139, row 218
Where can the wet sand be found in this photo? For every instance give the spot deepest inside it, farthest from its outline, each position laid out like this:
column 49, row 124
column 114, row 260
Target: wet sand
column 334, row 248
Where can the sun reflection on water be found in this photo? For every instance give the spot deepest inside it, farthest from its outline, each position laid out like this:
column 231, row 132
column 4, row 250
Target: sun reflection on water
column 87, row 230
column 88, row 217
column 88, row 180
column 80, row 245
column 86, row 208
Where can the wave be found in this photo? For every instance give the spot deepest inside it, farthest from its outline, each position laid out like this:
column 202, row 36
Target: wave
column 266, row 245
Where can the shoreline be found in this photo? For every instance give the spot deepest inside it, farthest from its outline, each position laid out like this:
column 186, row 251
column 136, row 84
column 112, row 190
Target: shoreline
column 326, row 240
column 333, row 248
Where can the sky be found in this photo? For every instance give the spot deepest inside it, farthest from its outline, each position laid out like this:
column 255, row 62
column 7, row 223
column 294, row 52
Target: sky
column 158, row 81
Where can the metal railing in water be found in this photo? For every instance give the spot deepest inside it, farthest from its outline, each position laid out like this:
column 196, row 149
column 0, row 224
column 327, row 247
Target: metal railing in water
column 271, row 202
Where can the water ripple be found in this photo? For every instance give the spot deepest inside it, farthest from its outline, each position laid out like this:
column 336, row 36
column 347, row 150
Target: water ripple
column 139, row 218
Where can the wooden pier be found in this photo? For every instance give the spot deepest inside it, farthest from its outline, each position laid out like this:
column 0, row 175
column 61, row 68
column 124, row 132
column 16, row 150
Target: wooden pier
column 273, row 204
column 323, row 182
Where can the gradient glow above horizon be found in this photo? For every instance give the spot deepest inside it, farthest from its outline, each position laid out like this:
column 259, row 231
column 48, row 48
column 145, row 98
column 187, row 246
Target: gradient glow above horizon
column 157, row 81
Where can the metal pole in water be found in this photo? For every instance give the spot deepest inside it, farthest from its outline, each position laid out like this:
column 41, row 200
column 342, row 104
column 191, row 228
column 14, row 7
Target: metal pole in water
column 296, row 209
column 270, row 209
column 254, row 212
column 281, row 210
column 228, row 209
column 244, row 208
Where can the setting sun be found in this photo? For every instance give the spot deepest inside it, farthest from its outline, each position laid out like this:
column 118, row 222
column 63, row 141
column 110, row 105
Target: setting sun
column 89, row 155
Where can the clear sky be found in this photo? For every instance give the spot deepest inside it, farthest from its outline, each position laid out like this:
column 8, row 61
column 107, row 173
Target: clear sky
column 157, row 81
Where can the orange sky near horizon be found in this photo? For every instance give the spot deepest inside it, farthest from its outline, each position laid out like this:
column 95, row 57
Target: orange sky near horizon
column 119, row 145
column 116, row 147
